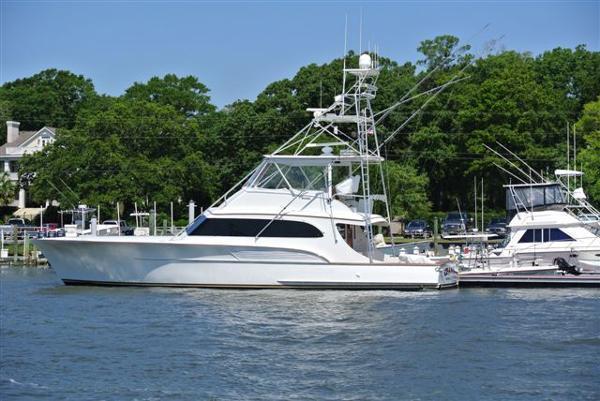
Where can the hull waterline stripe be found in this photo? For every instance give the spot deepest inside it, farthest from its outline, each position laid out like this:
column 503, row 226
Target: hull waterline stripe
column 300, row 285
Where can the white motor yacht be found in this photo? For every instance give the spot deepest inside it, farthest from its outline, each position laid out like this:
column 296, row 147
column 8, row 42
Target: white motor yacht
column 552, row 226
column 303, row 218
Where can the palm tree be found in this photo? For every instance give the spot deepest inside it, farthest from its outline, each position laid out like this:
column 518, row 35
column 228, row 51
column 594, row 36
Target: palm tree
column 7, row 189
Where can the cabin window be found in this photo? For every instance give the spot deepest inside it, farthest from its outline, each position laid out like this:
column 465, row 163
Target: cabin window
column 251, row 228
column 556, row 234
column 549, row 234
column 534, row 235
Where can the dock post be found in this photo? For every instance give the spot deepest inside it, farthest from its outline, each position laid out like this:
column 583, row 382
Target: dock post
column 154, row 218
column 435, row 235
column 26, row 258
column 94, row 226
column 191, row 211
column 15, row 244
column 172, row 224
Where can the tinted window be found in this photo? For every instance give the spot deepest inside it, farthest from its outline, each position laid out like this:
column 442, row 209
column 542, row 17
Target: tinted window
column 532, row 236
column 251, row 228
column 557, row 235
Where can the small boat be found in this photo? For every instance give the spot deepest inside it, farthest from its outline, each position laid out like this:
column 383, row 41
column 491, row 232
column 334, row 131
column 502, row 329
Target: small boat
column 303, row 218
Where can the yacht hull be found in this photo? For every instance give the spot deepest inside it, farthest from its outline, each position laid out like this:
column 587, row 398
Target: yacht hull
column 170, row 264
column 586, row 261
column 513, row 271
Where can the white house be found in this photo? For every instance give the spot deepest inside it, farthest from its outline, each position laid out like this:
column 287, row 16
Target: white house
column 19, row 143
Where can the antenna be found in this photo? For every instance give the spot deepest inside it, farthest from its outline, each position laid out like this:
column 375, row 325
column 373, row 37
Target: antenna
column 508, row 172
column 321, row 94
column 360, row 33
column 482, row 227
column 344, row 60
column 568, row 157
column 522, row 161
column 575, row 150
column 509, row 162
column 475, row 198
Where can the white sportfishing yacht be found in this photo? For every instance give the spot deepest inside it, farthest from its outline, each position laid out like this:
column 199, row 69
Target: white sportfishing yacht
column 553, row 228
column 303, row 218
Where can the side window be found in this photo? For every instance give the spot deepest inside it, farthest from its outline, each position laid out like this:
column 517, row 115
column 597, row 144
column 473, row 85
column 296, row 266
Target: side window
column 557, row 234
column 252, row 227
column 531, row 235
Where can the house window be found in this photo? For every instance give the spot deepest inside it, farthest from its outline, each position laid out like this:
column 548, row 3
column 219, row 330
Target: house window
column 14, row 166
column 251, row 228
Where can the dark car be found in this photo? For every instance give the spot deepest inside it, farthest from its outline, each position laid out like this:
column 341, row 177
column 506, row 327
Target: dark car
column 455, row 223
column 417, row 228
column 498, row 227
column 16, row 221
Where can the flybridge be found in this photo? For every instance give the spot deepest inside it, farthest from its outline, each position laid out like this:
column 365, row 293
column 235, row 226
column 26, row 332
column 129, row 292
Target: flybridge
column 535, row 192
column 356, row 147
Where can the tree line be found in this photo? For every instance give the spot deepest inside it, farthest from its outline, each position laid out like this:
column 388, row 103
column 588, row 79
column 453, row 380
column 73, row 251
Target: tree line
column 163, row 140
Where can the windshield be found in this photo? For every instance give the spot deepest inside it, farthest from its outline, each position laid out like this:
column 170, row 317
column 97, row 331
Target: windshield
column 274, row 176
column 456, row 216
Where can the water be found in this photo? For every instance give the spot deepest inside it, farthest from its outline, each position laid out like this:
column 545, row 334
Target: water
column 70, row 343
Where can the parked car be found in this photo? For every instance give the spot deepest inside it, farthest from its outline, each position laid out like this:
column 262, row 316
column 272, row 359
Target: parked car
column 51, row 230
column 24, row 227
column 17, row 221
column 498, row 227
column 124, row 228
column 455, row 223
column 417, row 228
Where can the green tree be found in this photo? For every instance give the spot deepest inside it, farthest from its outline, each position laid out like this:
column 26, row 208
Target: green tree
column 163, row 140
column 589, row 155
column 407, row 190
column 186, row 95
column 134, row 151
column 442, row 50
column 7, row 189
column 49, row 98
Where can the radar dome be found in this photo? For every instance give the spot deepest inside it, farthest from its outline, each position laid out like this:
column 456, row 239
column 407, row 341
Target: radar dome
column 364, row 61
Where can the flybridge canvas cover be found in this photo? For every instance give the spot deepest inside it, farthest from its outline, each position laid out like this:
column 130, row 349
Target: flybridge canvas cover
column 535, row 196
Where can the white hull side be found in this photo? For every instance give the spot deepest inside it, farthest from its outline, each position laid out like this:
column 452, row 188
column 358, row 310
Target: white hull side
column 531, row 270
column 173, row 264
column 587, row 261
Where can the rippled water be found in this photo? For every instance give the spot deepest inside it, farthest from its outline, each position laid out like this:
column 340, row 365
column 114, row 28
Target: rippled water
column 70, row 343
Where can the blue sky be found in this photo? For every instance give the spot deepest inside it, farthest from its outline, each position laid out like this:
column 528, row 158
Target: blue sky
column 236, row 48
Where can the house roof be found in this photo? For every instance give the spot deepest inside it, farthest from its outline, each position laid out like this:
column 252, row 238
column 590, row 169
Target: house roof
column 24, row 136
